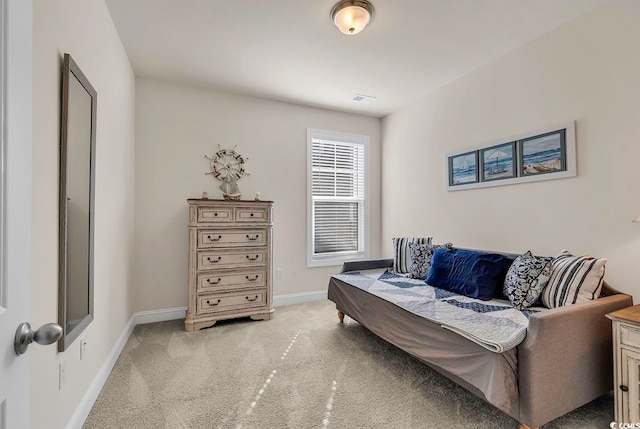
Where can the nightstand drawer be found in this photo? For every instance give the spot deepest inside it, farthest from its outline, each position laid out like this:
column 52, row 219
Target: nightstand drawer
column 630, row 336
column 215, row 214
column 252, row 214
column 213, row 303
column 213, row 282
column 209, row 260
column 225, row 238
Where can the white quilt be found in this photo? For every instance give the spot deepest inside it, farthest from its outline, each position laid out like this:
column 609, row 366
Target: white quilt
column 493, row 324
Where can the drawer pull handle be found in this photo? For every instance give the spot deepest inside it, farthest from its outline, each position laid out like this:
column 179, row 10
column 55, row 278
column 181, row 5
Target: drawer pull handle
column 254, row 238
column 213, row 238
column 253, row 259
column 214, row 261
column 213, row 304
column 624, row 388
column 251, row 215
column 253, row 279
column 254, row 299
column 214, row 283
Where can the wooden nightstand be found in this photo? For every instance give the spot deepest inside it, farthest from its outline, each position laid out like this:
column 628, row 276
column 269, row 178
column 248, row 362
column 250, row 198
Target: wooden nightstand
column 626, row 363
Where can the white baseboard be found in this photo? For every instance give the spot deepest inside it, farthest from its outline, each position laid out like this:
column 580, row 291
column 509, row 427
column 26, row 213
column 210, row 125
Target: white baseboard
column 299, row 298
column 141, row 317
column 84, row 408
column 152, row 316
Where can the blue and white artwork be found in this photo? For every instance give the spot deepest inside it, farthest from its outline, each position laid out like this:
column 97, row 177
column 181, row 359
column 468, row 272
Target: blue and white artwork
column 463, row 168
column 543, row 154
column 498, row 162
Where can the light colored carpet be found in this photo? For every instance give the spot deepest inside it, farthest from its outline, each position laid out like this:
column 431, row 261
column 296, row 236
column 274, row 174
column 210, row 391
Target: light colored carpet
column 299, row 370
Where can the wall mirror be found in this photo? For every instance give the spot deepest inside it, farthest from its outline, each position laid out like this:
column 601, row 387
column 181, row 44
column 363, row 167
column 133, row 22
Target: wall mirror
column 77, row 189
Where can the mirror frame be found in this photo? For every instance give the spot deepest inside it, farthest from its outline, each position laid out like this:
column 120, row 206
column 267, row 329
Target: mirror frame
column 71, row 70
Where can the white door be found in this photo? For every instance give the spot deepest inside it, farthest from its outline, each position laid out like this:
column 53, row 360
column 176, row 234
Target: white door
column 15, row 200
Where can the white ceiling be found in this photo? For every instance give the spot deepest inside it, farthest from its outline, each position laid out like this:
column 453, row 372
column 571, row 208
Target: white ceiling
column 289, row 50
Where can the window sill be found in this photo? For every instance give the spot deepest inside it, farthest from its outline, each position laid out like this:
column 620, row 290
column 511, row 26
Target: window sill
column 334, row 261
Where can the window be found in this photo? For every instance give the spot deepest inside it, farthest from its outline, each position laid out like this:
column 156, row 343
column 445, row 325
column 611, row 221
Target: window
column 338, row 206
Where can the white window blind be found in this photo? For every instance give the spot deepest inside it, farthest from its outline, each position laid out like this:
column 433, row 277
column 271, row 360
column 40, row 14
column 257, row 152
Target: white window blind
column 338, row 199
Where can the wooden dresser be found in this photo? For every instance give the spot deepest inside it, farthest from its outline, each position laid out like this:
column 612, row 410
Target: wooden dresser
column 626, row 363
column 229, row 261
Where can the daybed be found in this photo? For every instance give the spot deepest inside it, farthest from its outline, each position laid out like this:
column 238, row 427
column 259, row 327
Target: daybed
column 564, row 361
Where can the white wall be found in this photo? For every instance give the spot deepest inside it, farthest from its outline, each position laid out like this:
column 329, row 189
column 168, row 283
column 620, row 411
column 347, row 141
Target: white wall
column 175, row 127
column 588, row 71
column 84, row 29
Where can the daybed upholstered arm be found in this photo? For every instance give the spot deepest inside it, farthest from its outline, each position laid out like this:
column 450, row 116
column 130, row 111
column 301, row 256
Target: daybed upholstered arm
column 369, row 264
column 566, row 359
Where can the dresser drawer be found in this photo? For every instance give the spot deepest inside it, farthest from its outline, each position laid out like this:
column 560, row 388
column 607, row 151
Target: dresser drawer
column 212, row 303
column 252, row 214
column 630, row 336
column 213, row 282
column 231, row 238
column 213, row 259
column 215, row 214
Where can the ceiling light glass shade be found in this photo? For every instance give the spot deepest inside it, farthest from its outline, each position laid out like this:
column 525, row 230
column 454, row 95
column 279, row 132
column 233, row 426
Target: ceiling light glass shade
column 351, row 16
column 637, row 220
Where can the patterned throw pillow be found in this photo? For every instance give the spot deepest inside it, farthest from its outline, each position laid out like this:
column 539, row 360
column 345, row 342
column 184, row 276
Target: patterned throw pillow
column 421, row 255
column 401, row 258
column 573, row 279
column 526, row 279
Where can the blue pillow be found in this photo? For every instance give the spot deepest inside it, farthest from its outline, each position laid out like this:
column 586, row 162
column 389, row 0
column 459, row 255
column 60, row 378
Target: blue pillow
column 468, row 272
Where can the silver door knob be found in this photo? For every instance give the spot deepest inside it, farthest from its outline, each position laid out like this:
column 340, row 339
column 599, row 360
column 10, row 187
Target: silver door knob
column 46, row 334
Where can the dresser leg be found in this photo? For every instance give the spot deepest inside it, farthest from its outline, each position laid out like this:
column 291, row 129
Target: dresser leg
column 263, row 316
column 189, row 326
column 196, row 326
column 340, row 316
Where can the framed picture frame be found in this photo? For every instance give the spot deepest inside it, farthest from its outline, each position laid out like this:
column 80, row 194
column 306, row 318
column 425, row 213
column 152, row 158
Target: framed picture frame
column 463, row 169
column 498, row 162
column 543, row 154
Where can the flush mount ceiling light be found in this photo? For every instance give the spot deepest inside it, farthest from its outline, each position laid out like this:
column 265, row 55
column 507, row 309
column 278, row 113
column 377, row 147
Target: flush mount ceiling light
column 351, row 16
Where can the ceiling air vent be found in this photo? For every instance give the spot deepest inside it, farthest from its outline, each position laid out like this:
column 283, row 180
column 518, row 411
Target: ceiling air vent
column 366, row 99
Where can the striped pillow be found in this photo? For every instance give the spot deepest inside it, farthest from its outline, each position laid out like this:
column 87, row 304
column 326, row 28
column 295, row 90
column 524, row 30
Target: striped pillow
column 573, row 279
column 401, row 255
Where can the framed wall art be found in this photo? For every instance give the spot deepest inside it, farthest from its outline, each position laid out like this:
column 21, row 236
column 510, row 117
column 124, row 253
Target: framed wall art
column 545, row 154
column 463, row 169
column 499, row 162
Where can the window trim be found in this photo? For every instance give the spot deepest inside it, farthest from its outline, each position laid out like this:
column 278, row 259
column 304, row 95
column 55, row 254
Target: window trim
column 336, row 258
